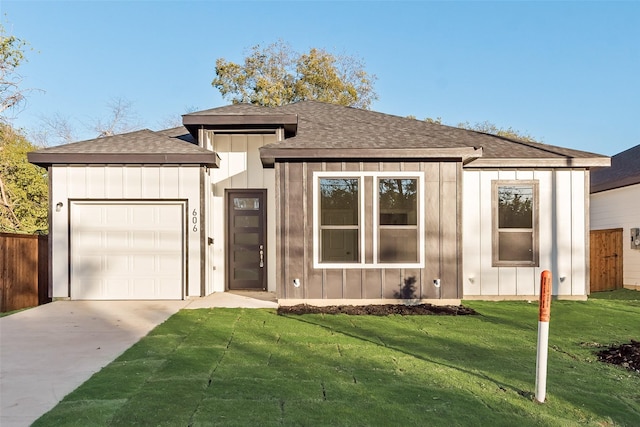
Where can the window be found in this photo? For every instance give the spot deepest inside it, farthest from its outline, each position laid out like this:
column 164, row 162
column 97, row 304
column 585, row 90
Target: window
column 366, row 219
column 398, row 222
column 515, row 223
column 339, row 223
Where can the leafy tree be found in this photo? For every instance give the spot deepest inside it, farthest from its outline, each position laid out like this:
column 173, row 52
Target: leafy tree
column 11, row 56
column 490, row 128
column 24, row 191
column 277, row 75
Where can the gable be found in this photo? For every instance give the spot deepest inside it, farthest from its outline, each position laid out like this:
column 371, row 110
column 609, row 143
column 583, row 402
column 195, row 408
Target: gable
column 172, row 146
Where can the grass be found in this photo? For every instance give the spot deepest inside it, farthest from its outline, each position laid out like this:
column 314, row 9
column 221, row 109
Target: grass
column 9, row 313
column 239, row 367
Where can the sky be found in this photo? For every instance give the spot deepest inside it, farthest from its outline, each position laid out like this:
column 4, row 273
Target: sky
column 566, row 73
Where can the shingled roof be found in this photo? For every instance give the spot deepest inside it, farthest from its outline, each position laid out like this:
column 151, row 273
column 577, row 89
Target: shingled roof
column 330, row 130
column 624, row 171
column 318, row 130
column 172, row 146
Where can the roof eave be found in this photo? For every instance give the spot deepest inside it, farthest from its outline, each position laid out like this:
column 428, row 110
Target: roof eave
column 567, row 162
column 269, row 155
column 614, row 185
column 211, row 160
column 193, row 122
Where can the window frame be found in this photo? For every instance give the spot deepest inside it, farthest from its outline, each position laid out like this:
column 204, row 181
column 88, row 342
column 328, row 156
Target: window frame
column 495, row 232
column 373, row 216
column 357, row 227
column 379, row 227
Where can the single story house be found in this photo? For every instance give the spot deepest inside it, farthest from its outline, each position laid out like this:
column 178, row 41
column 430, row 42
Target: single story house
column 319, row 203
column 615, row 222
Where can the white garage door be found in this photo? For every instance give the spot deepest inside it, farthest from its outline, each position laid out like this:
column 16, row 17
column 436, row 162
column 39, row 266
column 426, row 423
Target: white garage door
column 123, row 250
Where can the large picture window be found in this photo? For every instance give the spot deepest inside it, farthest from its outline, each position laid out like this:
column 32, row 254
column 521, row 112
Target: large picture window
column 515, row 223
column 366, row 219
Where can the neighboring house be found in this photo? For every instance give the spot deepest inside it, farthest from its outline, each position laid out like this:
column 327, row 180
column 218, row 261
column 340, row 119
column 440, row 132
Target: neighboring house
column 615, row 222
column 319, row 203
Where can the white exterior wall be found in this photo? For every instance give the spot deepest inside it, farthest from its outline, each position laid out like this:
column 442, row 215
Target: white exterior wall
column 562, row 235
column 620, row 208
column 240, row 168
column 118, row 182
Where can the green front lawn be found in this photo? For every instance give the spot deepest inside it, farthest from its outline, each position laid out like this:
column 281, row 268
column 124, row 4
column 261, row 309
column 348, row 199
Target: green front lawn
column 245, row 367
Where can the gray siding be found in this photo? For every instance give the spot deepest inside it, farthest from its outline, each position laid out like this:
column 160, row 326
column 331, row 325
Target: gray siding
column 442, row 236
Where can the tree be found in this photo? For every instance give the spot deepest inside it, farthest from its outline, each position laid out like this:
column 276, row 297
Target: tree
column 11, row 56
column 58, row 129
column 23, row 187
column 490, row 128
column 122, row 119
column 277, row 75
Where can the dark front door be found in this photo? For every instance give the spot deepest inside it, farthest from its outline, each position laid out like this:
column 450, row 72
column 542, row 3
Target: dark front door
column 246, row 243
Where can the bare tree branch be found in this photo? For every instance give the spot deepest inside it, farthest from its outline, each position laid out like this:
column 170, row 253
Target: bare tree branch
column 54, row 130
column 4, row 197
column 122, row 119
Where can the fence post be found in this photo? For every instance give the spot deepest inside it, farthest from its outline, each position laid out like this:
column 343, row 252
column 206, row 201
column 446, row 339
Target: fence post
column 544, row 314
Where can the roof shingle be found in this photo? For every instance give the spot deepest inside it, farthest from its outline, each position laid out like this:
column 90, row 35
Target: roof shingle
column 624, row 171
column 143, row 146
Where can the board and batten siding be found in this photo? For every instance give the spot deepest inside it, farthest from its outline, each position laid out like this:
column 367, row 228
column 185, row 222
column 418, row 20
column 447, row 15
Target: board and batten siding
column 562, row 236
column 240, row 168
column 122, row 183
column 441, row 240
column 620, row 208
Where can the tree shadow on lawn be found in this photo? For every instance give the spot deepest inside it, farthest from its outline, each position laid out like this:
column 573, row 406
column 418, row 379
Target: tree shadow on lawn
column 338, row 368
column 430, row 349
column 494, row 361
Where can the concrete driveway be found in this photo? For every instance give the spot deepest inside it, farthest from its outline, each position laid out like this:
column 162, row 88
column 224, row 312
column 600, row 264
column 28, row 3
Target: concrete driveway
column 48, row 351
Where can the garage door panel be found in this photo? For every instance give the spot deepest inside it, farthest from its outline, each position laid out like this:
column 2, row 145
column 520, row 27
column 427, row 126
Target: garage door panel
column 165, row 238
column 87, row 264
column 115, row 263
column 111, row 214
column 127, row 250
column 168, row 263
column 143, row 264
column 146, row 240
column 88, row 238
column 142, row 215
column 115, row 240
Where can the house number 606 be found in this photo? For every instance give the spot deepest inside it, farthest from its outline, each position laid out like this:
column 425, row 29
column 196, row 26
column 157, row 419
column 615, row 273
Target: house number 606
column 194, row 220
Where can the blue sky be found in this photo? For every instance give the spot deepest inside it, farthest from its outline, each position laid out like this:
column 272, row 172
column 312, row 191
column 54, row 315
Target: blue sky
column 567, row 73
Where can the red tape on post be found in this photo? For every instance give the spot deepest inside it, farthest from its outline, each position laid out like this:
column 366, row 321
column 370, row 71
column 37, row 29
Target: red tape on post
column 545, row 296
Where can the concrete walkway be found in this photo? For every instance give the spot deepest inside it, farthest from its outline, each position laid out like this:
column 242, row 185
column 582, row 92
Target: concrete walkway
column 48, row 351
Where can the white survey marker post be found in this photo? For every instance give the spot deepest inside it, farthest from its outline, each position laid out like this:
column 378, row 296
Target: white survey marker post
column 544, row 315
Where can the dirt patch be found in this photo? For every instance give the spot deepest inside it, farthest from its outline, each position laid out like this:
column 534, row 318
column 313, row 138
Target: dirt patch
column 625, row 355
column 380, row 310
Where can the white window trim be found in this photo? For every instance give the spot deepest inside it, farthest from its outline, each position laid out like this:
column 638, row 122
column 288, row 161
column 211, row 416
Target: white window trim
column 535, row 227
column 362, row 264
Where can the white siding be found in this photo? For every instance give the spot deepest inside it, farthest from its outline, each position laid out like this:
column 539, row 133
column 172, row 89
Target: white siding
column 115, row 182
column 561, row 228
column 240, row 168
column 620, row 208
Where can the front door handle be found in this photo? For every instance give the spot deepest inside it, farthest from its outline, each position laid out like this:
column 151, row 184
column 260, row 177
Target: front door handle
column 261, row 256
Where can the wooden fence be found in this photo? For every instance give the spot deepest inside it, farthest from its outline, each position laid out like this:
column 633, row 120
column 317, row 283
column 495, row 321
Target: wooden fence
column 24, row 271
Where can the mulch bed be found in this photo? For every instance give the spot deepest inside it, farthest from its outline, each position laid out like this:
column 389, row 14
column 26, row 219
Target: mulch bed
column 379, row 310
column 625, row 355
